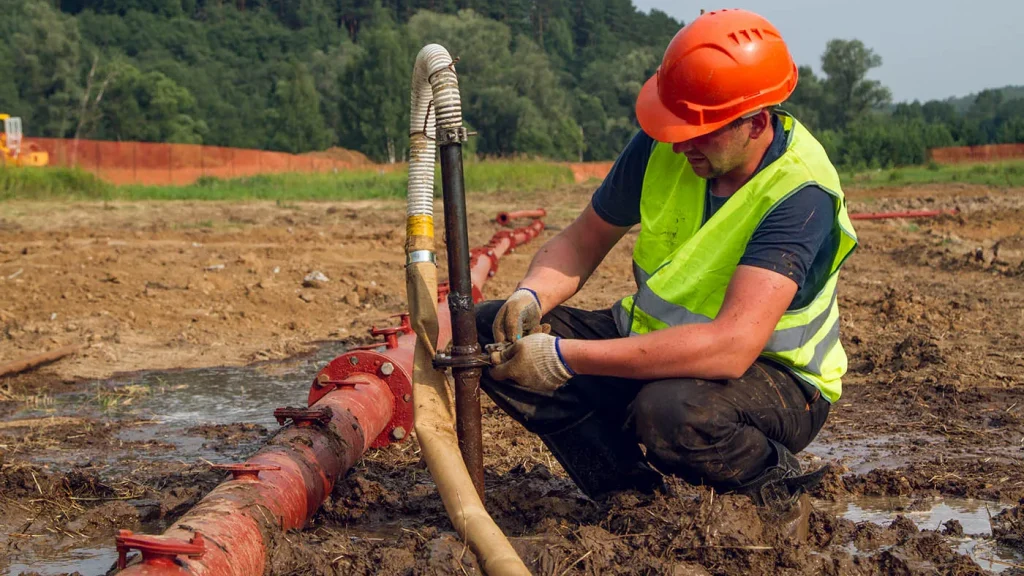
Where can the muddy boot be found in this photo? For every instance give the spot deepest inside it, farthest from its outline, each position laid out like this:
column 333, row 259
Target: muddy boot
column 795, row 522
column 782, row 491
column 601, row 459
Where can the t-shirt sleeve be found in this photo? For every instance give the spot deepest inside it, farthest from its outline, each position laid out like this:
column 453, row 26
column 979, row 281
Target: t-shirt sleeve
column 791, row 237
column 617, row 200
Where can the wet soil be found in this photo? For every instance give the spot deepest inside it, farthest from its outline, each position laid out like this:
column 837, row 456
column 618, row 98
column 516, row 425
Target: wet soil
column 930, row 421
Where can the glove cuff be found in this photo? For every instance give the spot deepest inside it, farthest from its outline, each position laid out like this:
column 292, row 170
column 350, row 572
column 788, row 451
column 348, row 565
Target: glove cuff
column 534, row 294
column 561, row 359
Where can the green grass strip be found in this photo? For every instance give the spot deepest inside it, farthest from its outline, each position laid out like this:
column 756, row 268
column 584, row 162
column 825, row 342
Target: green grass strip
column 480, row 177
column 1009, row 174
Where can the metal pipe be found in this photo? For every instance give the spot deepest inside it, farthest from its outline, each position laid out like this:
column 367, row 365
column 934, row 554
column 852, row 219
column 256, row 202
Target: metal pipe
column 504, row 218
column 359, row 400
column 483, row 261
column 905, row 214
column 278, row 489
column 463, row 316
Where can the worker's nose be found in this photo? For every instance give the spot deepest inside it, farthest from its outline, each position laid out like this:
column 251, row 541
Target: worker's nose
column 682, row 147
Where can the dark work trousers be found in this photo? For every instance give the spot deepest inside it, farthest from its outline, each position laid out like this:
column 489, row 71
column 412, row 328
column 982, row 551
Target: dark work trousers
column 707, row 432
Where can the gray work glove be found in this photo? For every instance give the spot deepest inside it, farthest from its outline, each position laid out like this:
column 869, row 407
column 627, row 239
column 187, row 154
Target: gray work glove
column 532, row 362
column 518, row 317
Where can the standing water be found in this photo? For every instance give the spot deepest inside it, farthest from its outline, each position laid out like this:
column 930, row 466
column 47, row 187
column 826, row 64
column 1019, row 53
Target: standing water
column 165, row 406
column 973, row 515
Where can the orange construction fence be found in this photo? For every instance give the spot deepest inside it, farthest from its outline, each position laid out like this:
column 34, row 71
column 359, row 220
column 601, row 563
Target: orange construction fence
column 967, row 154
column 182, row 164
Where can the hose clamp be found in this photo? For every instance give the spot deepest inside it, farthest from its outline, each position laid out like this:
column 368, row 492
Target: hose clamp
column 418, row 256
column 455, row 135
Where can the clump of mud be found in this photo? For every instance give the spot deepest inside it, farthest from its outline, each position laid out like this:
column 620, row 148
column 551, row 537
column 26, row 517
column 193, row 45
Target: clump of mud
column 978, row 480
column 382, row 520
column 224, row 437
column 1008, row 526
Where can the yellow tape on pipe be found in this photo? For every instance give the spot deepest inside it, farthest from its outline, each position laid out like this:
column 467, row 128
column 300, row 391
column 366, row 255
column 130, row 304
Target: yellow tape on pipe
column 420, row 225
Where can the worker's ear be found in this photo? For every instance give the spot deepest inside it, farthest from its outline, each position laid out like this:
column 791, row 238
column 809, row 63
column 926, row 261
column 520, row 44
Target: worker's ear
column 759, row 124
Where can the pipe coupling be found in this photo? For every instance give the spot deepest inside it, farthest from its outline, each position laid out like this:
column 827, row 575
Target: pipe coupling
column 419, row 256
column 455, row 135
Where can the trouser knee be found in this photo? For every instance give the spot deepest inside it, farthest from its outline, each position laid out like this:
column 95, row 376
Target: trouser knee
column 486, row 312
column 690, row 435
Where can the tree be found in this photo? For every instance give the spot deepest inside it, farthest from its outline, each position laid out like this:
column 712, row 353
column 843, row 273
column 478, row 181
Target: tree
column 375, row 111
column 294, row 119
column 148, row 107
column 46, row 48
column 846, row 64
column 510, row 92
column 809, row 100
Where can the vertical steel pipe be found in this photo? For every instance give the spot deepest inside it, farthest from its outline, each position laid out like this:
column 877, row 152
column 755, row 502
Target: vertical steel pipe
column 463, row 315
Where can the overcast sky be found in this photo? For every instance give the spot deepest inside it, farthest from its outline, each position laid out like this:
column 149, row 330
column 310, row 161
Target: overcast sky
column 929, row 48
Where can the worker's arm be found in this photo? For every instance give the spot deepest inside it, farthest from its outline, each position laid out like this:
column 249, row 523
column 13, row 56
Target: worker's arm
column 723, row 348
column 562, row 266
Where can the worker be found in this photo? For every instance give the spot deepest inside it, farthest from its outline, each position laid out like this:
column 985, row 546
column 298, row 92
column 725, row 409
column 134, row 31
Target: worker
column 725, row 361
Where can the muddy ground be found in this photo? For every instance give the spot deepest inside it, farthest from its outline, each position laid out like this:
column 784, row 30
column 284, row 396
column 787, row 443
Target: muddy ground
column 931, row 411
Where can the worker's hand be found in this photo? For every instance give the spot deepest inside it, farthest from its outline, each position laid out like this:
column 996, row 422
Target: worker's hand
column 533, row 362
column 518, row 317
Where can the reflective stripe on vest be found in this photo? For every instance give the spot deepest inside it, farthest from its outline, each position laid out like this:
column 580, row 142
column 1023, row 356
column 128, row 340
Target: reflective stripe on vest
column 691, row 261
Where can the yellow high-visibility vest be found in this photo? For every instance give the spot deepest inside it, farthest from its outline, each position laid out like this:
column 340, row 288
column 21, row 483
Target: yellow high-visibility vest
column 683, row 267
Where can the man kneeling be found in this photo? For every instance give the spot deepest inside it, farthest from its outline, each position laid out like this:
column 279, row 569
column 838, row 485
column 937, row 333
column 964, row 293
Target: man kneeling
column 726, row 359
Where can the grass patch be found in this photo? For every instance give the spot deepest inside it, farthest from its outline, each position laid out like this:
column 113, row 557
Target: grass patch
column 51, row 183
column 480, row 177
column 998, row 175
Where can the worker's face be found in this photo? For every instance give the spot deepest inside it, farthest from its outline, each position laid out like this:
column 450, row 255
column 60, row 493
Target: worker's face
column 724, row 150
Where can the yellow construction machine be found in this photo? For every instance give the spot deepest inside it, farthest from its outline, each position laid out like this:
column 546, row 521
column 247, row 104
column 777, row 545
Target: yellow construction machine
column 11, row 153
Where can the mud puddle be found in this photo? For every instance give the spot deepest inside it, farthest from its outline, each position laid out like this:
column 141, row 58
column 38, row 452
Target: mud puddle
column 971, row 534
column 85, row 561
column 179, row 411
column 188, row 397
column 132, row 427
column 93, row 558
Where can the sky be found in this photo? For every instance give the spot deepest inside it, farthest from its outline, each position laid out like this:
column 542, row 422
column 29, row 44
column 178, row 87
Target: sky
column 930, row 49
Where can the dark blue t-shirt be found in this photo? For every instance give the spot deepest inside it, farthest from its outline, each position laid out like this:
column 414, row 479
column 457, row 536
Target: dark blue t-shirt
column 797, row 238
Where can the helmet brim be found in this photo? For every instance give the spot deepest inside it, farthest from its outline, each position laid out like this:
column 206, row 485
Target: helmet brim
column 660, row 123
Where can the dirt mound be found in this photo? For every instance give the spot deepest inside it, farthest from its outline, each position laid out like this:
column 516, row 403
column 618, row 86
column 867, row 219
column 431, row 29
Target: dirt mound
column 351, row 157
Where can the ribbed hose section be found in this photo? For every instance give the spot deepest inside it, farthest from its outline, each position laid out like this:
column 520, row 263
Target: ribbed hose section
column 435, row 93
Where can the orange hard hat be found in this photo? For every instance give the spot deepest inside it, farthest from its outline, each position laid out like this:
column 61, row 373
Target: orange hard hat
column 721, row 66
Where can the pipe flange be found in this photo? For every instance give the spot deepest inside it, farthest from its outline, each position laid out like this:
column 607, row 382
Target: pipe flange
column 387, row 369
column 156, row 549
column 305, row 417
column 484, row 252
column 462, row 357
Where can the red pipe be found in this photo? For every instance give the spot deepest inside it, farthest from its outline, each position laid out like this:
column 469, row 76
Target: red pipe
column 360, row 400
column 280, row 489
column 483, row 261
column 906, row 214
column 504, row 218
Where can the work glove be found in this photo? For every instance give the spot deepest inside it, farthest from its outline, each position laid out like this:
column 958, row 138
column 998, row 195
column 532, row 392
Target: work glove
column 518, row 317
column 532, row 362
